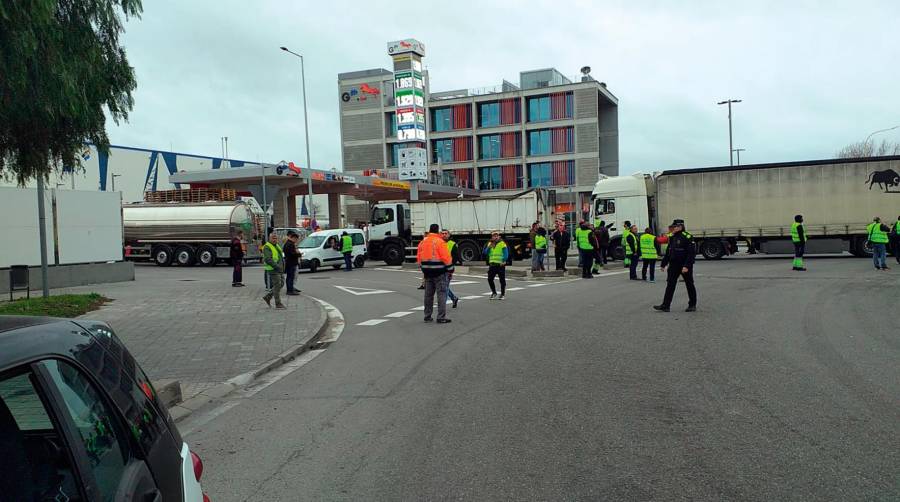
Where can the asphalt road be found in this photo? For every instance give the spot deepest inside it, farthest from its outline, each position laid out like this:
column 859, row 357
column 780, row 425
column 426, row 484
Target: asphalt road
column 784, row 386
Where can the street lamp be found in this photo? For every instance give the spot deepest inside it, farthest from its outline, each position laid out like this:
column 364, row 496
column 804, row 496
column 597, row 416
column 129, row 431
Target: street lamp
column 730, row 146
column 738, row 151
column 866, row 142
column 312, row 210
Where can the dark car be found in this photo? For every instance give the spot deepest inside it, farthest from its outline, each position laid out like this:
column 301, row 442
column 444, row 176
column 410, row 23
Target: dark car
column 80, row 421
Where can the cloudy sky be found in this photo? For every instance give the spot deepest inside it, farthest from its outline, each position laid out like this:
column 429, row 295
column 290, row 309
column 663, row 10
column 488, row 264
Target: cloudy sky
column 813, row 76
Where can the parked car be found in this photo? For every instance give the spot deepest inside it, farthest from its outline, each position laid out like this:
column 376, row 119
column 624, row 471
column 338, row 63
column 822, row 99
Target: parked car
column 319, row 249
column 80, row 420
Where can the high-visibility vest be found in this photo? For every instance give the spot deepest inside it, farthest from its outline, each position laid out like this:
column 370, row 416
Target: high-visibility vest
column 897, row 227
column 877, row 235
column 495, row 253
column 583, row 236
column 597, row 222
column 648, row 247
column 277, row 254
column 540, row 242
column 433, row 256
column 450, row 245
column 795, row 232
column 629, row 249
column 346, row 244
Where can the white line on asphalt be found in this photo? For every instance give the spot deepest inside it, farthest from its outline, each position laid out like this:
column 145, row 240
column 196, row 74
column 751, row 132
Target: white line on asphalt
column 335, row 321
column 608, row 273
column 371, row 322
column 399, row 314
column 420, row 307
column 473, row 297
column 536, row 285
column 514, row 289
column 362, row 291
column 460, row 283
column 488, row 293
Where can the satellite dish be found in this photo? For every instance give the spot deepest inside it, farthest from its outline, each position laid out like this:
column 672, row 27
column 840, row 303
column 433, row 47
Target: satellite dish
column 585, row 70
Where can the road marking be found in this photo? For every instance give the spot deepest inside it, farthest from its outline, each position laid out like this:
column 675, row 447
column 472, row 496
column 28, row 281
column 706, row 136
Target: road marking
column 473, row 297
column 611, row 273
column 536, row 285
column 460, row 283
column 362, row 291
column 514, row 289
column 420, row 307
column 488, row 293
column 372, row 322
column 402, row 313
column 335, row 322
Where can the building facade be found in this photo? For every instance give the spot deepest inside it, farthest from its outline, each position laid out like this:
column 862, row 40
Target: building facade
column 548, row 131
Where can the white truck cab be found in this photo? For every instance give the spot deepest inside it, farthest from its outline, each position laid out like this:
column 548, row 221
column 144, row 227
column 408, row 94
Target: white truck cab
column 389, row 231
column 618, row 199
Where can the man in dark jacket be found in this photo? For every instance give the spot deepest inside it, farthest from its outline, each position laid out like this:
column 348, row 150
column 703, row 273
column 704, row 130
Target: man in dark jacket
column 680, row 255
column 291, row 262
column 630, row 243
column 603, row 241
column 561, row 243
column 236, row 254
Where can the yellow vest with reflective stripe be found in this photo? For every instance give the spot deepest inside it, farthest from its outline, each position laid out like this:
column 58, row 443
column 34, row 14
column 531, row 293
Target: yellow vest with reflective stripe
column 495, row 253
column 795, row 232
column 277, row 254
column 540, row 242
column 877, row 235
column 648, row 247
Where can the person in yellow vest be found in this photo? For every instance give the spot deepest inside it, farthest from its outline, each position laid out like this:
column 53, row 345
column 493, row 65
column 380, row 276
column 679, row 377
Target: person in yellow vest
column 878, row 236
column 347, row 251
column 540, row 249
column 455, row 260
column 630, row 243
column 799, row 238
column 895, row 238
column 585, row 249
column 273, row 264
column 496, row 254
column 649, row 254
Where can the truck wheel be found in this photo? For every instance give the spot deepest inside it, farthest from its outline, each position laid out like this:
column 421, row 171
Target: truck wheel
column 393, row 254
column 469, row 251
column 861, row 247
column 313, row 266
column 162, row 255
column 206, row 256
column 712, row 249
column 616, row 250
column 184, row 256
column 359, row 262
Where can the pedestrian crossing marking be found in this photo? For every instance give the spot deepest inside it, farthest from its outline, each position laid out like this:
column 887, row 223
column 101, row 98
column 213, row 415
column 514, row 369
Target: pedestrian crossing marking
column 514, row 289
column 402, row 313
column 371, row 322
column 473, row 297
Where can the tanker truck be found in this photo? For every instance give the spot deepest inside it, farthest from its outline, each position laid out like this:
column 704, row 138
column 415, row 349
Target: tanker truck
column 756, row 204
column 189, row 233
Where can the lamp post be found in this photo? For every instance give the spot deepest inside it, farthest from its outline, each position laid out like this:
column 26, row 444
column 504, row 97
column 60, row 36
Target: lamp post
column 866, row 142
column 312, row 211
column 730, row 145
column 738, row 152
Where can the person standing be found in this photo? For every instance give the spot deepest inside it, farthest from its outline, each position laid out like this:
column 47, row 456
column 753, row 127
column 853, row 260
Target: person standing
column 799, row 238
column 630, row 243
column 649, row 254
column 561, row 242
column 895, row 237
column 291, row 262
column 454, row 261
column 434, row 259
column 532, row 243
column 626, row 229
column 347, row 251
column 540, row 248
column 273, row 263
column 878, row 236
column 585, row 249
column 497, row 254
column 236, row 254
column 603, row 242
column 679, row 258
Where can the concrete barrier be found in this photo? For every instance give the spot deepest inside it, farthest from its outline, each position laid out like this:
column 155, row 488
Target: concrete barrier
column 540, row 274
column 65, row 276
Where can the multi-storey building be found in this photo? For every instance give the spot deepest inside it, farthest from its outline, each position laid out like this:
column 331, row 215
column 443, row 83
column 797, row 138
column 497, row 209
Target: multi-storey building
column 548, row 131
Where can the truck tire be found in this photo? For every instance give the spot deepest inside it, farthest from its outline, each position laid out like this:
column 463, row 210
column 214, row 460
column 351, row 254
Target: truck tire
column 359, row 262
column 162, row 255
column 469, row 250
column 184, row 256
column 861, row 247
column 712, row 249
column 206, row 256
column 393, row 253
column 616, row 251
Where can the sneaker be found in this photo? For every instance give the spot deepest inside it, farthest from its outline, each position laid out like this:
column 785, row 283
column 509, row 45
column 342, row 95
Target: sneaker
column 494, row 296
column 268, row 300
column 280, row 306
column 652, row 280
column 802, row 269
column 428, row 319
column 691, row 308
column 443, row 321
column 661, row 308
column 502, row 297
column 455, row 302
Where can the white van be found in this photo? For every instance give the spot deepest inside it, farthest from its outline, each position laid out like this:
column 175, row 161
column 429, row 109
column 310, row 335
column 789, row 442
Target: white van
column 318, row 249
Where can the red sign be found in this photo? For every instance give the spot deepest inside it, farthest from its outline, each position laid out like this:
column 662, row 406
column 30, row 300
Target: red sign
column 366, row 88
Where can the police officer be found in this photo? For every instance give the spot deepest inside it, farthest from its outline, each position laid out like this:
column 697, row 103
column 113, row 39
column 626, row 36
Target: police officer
column 799, row 238
column 680, row 255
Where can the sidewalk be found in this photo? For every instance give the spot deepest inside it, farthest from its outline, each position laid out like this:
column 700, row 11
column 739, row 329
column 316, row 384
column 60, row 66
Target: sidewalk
column 189, row 324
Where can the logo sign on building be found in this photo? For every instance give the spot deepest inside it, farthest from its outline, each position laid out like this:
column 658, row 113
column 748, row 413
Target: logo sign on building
column 413, row 164
column 362, row 92
column 410, row 45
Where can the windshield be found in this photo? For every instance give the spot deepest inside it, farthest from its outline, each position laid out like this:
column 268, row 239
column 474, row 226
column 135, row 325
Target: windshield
column 313, row 241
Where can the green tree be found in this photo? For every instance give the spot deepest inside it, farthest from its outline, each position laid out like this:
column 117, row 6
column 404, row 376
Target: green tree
column 61, row 71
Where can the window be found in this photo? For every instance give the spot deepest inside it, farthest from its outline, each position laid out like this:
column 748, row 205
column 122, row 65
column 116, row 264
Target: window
column 539, row 109
column 452, row 150
column 24, row 405
column 558, row 173
column 501, row 177
column 490, row 147
column 539, row 175
column 491, row 178
column 605, row 206
column 358, row 239
column 391, row 123
column 312, row 242
column 489, row 114
column 539, row 142
column 443, row 150
column 550, row 141
column 98, row 427
column 382, row 215
column 556, row 106
column 442, row 120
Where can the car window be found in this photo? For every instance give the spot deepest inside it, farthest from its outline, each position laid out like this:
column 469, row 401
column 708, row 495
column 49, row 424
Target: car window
column 313, row 241
column 358, row 239
column 24, row 403
column 98, row 427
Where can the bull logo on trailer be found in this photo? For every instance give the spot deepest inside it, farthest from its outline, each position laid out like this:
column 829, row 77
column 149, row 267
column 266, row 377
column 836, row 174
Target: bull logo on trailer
column 884, row 179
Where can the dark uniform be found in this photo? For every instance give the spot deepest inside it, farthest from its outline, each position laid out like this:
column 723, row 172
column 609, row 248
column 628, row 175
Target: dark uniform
column 679, row 255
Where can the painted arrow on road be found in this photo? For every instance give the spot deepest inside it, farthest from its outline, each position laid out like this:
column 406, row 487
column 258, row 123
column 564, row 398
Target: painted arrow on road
column 362, row 291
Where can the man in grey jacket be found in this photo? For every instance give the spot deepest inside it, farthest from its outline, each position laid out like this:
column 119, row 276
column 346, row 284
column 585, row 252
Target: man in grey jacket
column 273, row 263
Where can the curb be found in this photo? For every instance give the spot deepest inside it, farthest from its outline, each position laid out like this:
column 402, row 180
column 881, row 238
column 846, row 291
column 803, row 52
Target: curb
column 184, row 409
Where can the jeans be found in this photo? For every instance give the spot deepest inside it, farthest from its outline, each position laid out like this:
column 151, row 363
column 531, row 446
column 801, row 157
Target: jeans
column 497, row 271
column 632, row 267
column 561, row 255
column 651, row 264
column 604, row 254
column 348, row 262
column 879, row 255
column 674, row 273
column 290, row 277
column 587, row 261
column 896, row 245
column 436, row 284
column 799, row 249
column 450, row 294
column 237, row 274
column 541, row 255
column 276, row 281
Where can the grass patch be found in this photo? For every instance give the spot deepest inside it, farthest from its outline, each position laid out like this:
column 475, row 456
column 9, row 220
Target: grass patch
column 55, row 306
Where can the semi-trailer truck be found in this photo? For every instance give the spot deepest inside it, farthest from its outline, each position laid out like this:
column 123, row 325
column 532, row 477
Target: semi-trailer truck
column 756, row 204
column 395, row 228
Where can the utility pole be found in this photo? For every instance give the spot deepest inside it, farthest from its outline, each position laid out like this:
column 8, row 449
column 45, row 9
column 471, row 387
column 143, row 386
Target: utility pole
column 730, row 142
column 309, row 185
column 738, row 152
column 42, row 235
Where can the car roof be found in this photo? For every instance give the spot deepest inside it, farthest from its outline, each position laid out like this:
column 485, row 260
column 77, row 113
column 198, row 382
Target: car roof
column 338, row 231
column 25, row 338
column 11, row 322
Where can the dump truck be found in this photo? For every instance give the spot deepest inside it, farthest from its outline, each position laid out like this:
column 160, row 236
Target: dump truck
column 756, row 204
column 395, row 228
column 191, row 233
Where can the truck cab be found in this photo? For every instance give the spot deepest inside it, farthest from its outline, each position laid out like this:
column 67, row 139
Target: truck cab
column 618, row 199
column 389, row 232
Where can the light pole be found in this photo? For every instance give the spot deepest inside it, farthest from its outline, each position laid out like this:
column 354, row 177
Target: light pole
column 312, row 211
column 738, row 151
column 730, row 146
column 866, row 142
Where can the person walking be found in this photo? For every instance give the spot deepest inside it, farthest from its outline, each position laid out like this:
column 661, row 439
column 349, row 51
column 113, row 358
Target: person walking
column 454, row 261
column 561, row 243
column 603, row 242
column 540, row 248
column 680, row 255
column 434, row 259
column 347, row 251
column 878, row 236
column 649, row 254
column 497, row 255
column 799, row 238
column 273, row 264
column 236, row 255
column 291, row 262
column 630, row 243
column 585, row 249
column 895, row 239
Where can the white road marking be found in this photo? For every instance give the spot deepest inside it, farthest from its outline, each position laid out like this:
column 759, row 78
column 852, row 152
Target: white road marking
column 362, row 291
column 536, row 285
column 610, row 273
column 488, row 293
column 473, row 297
column 460, row 283
column 420, row 307
column 371, row 322
column 514, row 289
column 335, row 322
column 402, row 313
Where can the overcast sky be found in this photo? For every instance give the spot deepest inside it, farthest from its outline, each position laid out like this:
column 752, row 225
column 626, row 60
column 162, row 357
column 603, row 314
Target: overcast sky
column 813, row 76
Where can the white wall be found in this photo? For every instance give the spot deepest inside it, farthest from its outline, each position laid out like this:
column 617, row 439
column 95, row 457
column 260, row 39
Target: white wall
column 19, row 227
